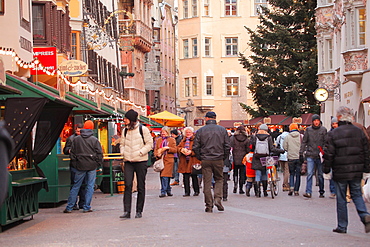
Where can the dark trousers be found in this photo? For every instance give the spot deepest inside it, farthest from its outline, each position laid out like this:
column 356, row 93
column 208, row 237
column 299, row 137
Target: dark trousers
column 194, row 180
column 239, row 175
column 212, row 169
column 140, row 168
column 225, row 186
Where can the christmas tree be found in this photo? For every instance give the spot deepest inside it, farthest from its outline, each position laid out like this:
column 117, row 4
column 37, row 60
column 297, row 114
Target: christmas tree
column 283, row 64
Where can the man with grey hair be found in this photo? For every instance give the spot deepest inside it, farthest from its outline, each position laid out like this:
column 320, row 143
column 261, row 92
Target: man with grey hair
column 347, row 155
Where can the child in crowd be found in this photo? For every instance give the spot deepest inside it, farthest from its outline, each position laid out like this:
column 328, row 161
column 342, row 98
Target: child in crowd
column 251, row 174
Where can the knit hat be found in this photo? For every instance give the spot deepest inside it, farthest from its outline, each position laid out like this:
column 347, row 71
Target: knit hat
column 264, row 127
column 315, row 116
column 293, row 126
column 89, row 125
column 131, row 115
column 334, row 120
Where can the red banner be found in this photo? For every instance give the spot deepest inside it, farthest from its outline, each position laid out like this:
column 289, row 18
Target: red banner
column 47, row 57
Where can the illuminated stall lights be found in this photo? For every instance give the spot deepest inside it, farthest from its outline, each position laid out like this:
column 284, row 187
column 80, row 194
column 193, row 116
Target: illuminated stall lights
column 35, row 63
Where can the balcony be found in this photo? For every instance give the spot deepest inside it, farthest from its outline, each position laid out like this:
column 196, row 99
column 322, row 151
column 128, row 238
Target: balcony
column 138, row 34
column 355, row 64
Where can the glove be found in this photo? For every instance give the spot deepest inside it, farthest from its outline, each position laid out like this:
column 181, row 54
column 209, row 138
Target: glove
column 327, row 176
column 366, row 176
column 301, row 159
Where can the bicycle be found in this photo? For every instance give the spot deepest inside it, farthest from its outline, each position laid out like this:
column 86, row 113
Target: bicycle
column 272, row 179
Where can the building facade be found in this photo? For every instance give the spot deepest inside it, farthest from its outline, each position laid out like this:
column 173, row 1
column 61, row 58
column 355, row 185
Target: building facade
column 211, row 35
column 342, row 40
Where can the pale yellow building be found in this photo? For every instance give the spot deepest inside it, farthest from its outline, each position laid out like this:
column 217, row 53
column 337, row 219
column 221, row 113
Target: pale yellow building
column 211, row 35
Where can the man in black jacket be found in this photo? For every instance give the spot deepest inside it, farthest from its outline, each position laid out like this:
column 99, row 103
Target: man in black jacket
column 347, row 154
column 67, row 151
column 86, row 156
column 212, row 147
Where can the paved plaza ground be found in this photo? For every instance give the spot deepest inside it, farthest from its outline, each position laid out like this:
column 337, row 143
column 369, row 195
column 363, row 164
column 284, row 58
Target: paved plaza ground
column 181, row 221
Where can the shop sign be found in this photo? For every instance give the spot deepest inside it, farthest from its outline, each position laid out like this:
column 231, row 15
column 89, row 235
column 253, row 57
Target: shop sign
column 246, row 122
column 237, row 124
column 2, row 72
column 297, row 120
column 267, row 120
column 47, row 57
column 198, row 122
column 73, row 68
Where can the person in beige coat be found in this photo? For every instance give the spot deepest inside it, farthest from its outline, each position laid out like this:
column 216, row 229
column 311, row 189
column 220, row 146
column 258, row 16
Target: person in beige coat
column 166, row 145
column 136, row 142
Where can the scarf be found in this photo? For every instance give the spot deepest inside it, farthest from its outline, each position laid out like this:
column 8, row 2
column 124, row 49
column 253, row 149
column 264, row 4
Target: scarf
column 187, row 146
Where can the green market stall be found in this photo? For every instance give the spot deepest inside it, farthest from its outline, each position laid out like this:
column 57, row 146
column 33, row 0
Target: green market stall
column 34, row 118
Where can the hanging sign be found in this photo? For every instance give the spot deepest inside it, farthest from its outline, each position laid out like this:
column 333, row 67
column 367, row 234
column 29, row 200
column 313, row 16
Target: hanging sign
column 73, row 68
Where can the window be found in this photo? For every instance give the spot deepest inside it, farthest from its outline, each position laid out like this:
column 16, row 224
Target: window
column 209, row 85
column 257, row 6
column 186, row 9
column 230, row 8
column 195, row 47
column 186, row 48
column 206, row 7
column 232, row 86
column 328, row 55
column 2, row 6
column 75, row 45
column 362, row 26
column 231, row 46
column 187, row 87
column 194, row 8
column 207, row 47
column 195, row 86
column 38, row 21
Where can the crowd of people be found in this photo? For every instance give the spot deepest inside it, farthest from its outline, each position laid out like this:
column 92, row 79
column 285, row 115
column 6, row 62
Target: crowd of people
column 211, row 154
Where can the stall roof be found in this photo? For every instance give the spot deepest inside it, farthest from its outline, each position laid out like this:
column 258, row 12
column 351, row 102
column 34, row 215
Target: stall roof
column 256, row 120
column 29, row 89
column 229, row 123
column 282, row 119
column 5, row 89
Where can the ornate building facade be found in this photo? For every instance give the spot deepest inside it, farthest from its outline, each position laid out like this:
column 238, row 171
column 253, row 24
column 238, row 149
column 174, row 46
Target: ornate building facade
column 343, row 67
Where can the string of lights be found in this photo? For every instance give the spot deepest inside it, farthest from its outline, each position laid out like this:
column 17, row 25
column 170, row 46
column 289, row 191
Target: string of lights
column 35, row 64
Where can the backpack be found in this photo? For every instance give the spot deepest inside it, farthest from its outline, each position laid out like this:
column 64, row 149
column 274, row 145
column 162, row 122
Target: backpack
column 262, row 147
column 140, row 130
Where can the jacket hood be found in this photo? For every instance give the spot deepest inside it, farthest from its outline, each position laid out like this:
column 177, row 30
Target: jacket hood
column 85, row 133
column 262, row 137
column 294, row 133
column 240, row 137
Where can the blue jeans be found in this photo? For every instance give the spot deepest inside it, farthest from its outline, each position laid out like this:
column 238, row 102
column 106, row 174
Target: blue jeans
column 165, row 185
column 261, row 175
column 311, row 164
column 78, row 179
column 332, row 186
column 356, row 196
column 294, row 174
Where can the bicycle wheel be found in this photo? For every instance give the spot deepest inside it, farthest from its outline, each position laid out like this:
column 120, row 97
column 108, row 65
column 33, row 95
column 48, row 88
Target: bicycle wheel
column 276, row 187
column 272, row 189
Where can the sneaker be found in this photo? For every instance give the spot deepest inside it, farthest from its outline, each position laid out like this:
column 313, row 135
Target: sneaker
column 87, row 211
column 66, row 211
column 321, row 195
column 208, row 210
column 296, row 193
column 174, row 183
column 307, row 195
column 332, row 196
column 75, row 208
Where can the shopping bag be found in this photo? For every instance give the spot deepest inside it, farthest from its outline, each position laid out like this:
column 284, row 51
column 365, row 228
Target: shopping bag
column 158, row 165
column 366, row 191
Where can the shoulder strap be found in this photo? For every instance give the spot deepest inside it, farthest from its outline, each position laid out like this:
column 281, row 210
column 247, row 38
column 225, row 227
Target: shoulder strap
column 140, row 130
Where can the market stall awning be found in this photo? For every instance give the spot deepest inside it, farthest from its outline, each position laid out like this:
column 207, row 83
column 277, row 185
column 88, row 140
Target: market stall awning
column 30, row 89
column 149, row 121
column 84, row 106
column 168, row 119
column 274, row 119
column 5, row 89
column 256, row 120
